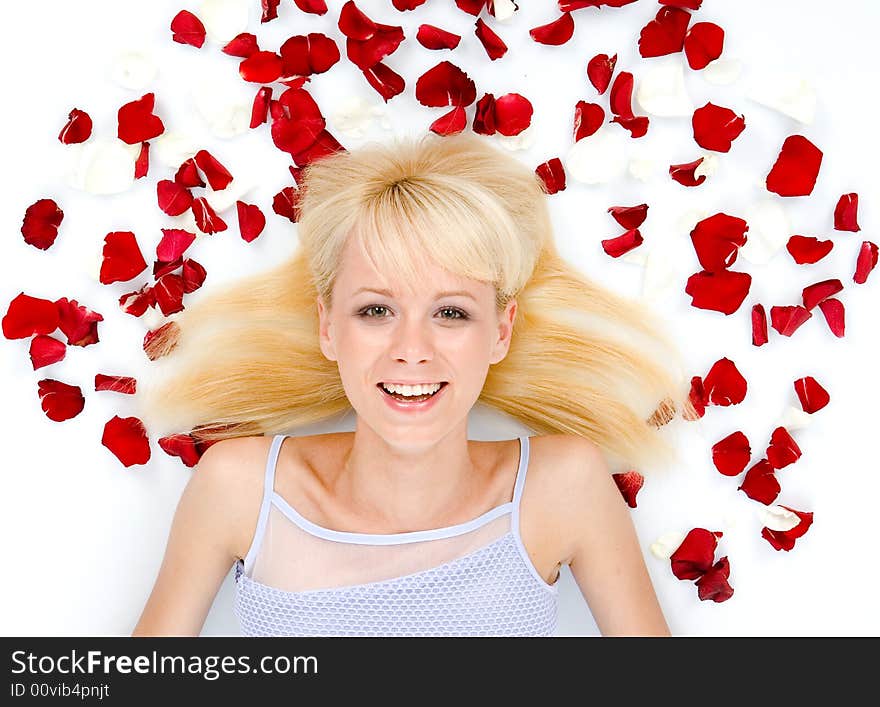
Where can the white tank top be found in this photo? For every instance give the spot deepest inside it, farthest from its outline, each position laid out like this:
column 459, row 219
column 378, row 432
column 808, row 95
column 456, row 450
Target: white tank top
column 471, row 579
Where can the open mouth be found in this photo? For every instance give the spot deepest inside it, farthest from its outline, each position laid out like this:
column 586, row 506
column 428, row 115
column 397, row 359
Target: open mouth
column 412, row 398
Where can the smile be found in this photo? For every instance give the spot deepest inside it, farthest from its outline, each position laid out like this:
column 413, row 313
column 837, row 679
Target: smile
column 412, row 403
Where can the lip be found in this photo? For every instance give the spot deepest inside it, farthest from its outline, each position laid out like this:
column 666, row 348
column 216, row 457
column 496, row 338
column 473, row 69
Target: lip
column 412, row 407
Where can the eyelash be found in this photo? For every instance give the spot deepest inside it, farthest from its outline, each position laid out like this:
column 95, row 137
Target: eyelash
column 363, row 313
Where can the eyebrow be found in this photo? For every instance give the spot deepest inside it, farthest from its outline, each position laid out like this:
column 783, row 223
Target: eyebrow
column 447, row 293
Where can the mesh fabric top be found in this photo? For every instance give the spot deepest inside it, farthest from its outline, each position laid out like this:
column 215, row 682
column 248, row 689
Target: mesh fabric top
column 470, row 579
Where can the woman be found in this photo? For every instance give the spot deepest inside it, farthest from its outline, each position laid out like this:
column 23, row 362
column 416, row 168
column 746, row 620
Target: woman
column 426, row 279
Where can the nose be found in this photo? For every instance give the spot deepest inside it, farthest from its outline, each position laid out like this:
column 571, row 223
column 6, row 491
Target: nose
column 412, row 341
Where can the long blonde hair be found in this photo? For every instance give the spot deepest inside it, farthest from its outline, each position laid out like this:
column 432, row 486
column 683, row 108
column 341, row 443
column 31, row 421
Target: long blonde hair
column 582, row 360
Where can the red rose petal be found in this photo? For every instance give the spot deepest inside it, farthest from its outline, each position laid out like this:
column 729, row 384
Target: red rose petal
column 182, row 446
column 174, row 243
column 242, row 45
column 216, row 174
column 445, row 85
column 599, row 70
column 713, row 585
column 161, row 341
column 621, row 95
column 833, row 311
column 571, row 5
column 784, row 539
column 665, row 33
column 588, row 118
column 60, row 401
column 731, row 454
column 513, row 114
column 28, row 315
column 715, row 127
column 169, row 293
column 816, row 293
column 122, row 258
column 722, row 291
column 782, row 450
column 286, row 203
column 387, row 82
column 188, row 29
column 845, row 213
column 116, row 384
column 629, row 216
column 492, row 43
column 137, row 122
column 759, row 325
column 807, row 249
column 687, row 4
column 760, row 483
column 432, row 37
column 684, row 173
column 46, row 350
column 142, row 163
column 369, row 52
column 260, row 109
column 207, row 219
column 187, row 174
column 79, row 323
column 703, row 43
column 126, row 438
column 484, row 115
column 697, row 396
column 554, row 33
column 294, row 136
column 693, row 558
column 724, row 384
column 251, row 221
column 629, row 483
column 325, row 144
column 866, row 262
column 270, row 10
column 354, row 24
column 40, row 224
column 261, row 67
column 173, row 198
column 786, row 320
column 552, row 174
column 624, row 243
column 450, row 123
column 813, row 397
column 193, row 275
column 304, row 55
column 717, row 240
column 796, row 168
column 313, row 7
column 77, row 129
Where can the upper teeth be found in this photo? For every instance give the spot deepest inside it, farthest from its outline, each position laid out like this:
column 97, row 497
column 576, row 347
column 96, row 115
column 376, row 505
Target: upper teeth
column 412, row 389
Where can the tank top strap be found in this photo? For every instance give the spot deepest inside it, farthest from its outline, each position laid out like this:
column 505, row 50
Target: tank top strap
column 268, row 491
column 520, row 481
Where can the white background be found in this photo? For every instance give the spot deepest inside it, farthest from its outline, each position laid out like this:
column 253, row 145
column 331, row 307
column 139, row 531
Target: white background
column 84, row 535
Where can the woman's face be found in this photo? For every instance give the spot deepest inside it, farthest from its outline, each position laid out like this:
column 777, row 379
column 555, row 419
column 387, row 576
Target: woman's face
column 442, row 329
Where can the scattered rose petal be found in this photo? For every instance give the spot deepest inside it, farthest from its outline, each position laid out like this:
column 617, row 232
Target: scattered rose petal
column 45, row 350
column 685, row 173
column 173, row 245
column 786, row 320
column 713, row 584
column 103, row 166
column 659, row 278
column 432, row 37
column 703, row 43
column 78, row 323
column 731, row 454
column 768, row 231
column 722, row 72
column 724, row 384
column 778, row 517
column 126, row 438
column 795, row 419
column 217, row 175
column 597, row 159
column 142, row 163
column 722, row 291
column 599, row 71
column 686, row 4
column 261, row 67
column 665, row 33
column 116, row 384
column 182, row 446
column 785, row 92
column 783, row 450
column 77, row 129
column 492, row 43
column 187, row 175
column 122, row 258
column 629, row 483
column 207, row 219
column 27, row 316
column 813, row 396
column 694, row 557
column 242, row 45
column 193, row 275
column 133, row 70
column 866, row 262
column 173, row 198
column 715, row 127
column 445, row 85
column 807, row 249
column 588, row 118
column 615, row 247
column 169, row 293
column 137, row 121
column 666, row 544
column 759, row 325
column 387, row 82
column 220, row 105
column 552, row 174
column 224, row 19
column 251, row 221
column 796, row 168
column 60, row 401
column 785, row 539
column 817, row 292
column 760, row 483
column 312, row 7
column 621, row 105
column 286, row 204
column 833, row 311
column 260, row 109
column 845, row 213
column 554, row 33
column 173, row 148
column 629, row 216
column 304, row 55
column 717, row 239
column 40, row 224
column 270, row 10
column 502, row 10
column 662, row 89
column 188, row 29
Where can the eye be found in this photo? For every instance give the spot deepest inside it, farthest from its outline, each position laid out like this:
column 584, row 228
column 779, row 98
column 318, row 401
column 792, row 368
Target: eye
column 363, row 312
column 457, row 312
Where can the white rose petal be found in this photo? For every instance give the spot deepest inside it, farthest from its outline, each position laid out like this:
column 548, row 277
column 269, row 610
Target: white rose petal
column 173, row 149
column 722, row 71
column 353, row 116
column 666, row 544
column 708, row 166
column 521, row 141
column 104, row 166
column 225, row 115
column 786, row 92
column 504, row 10
column 688, row 219
column 768, row 232
column 602, row 157
column 133, row 70
column 153, row 318
column 794, row 419
column 223, row 199
column 642, row 169
column 224, row 19
column 659, row 279
column 636, row 256
column 778, row 518
column 661, row 90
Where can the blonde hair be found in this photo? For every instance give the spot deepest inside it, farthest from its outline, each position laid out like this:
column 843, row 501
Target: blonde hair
column 582, row 360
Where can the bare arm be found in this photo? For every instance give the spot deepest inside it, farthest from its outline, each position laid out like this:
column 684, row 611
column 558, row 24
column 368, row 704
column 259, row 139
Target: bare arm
column 202, row 543
column 604, row 553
